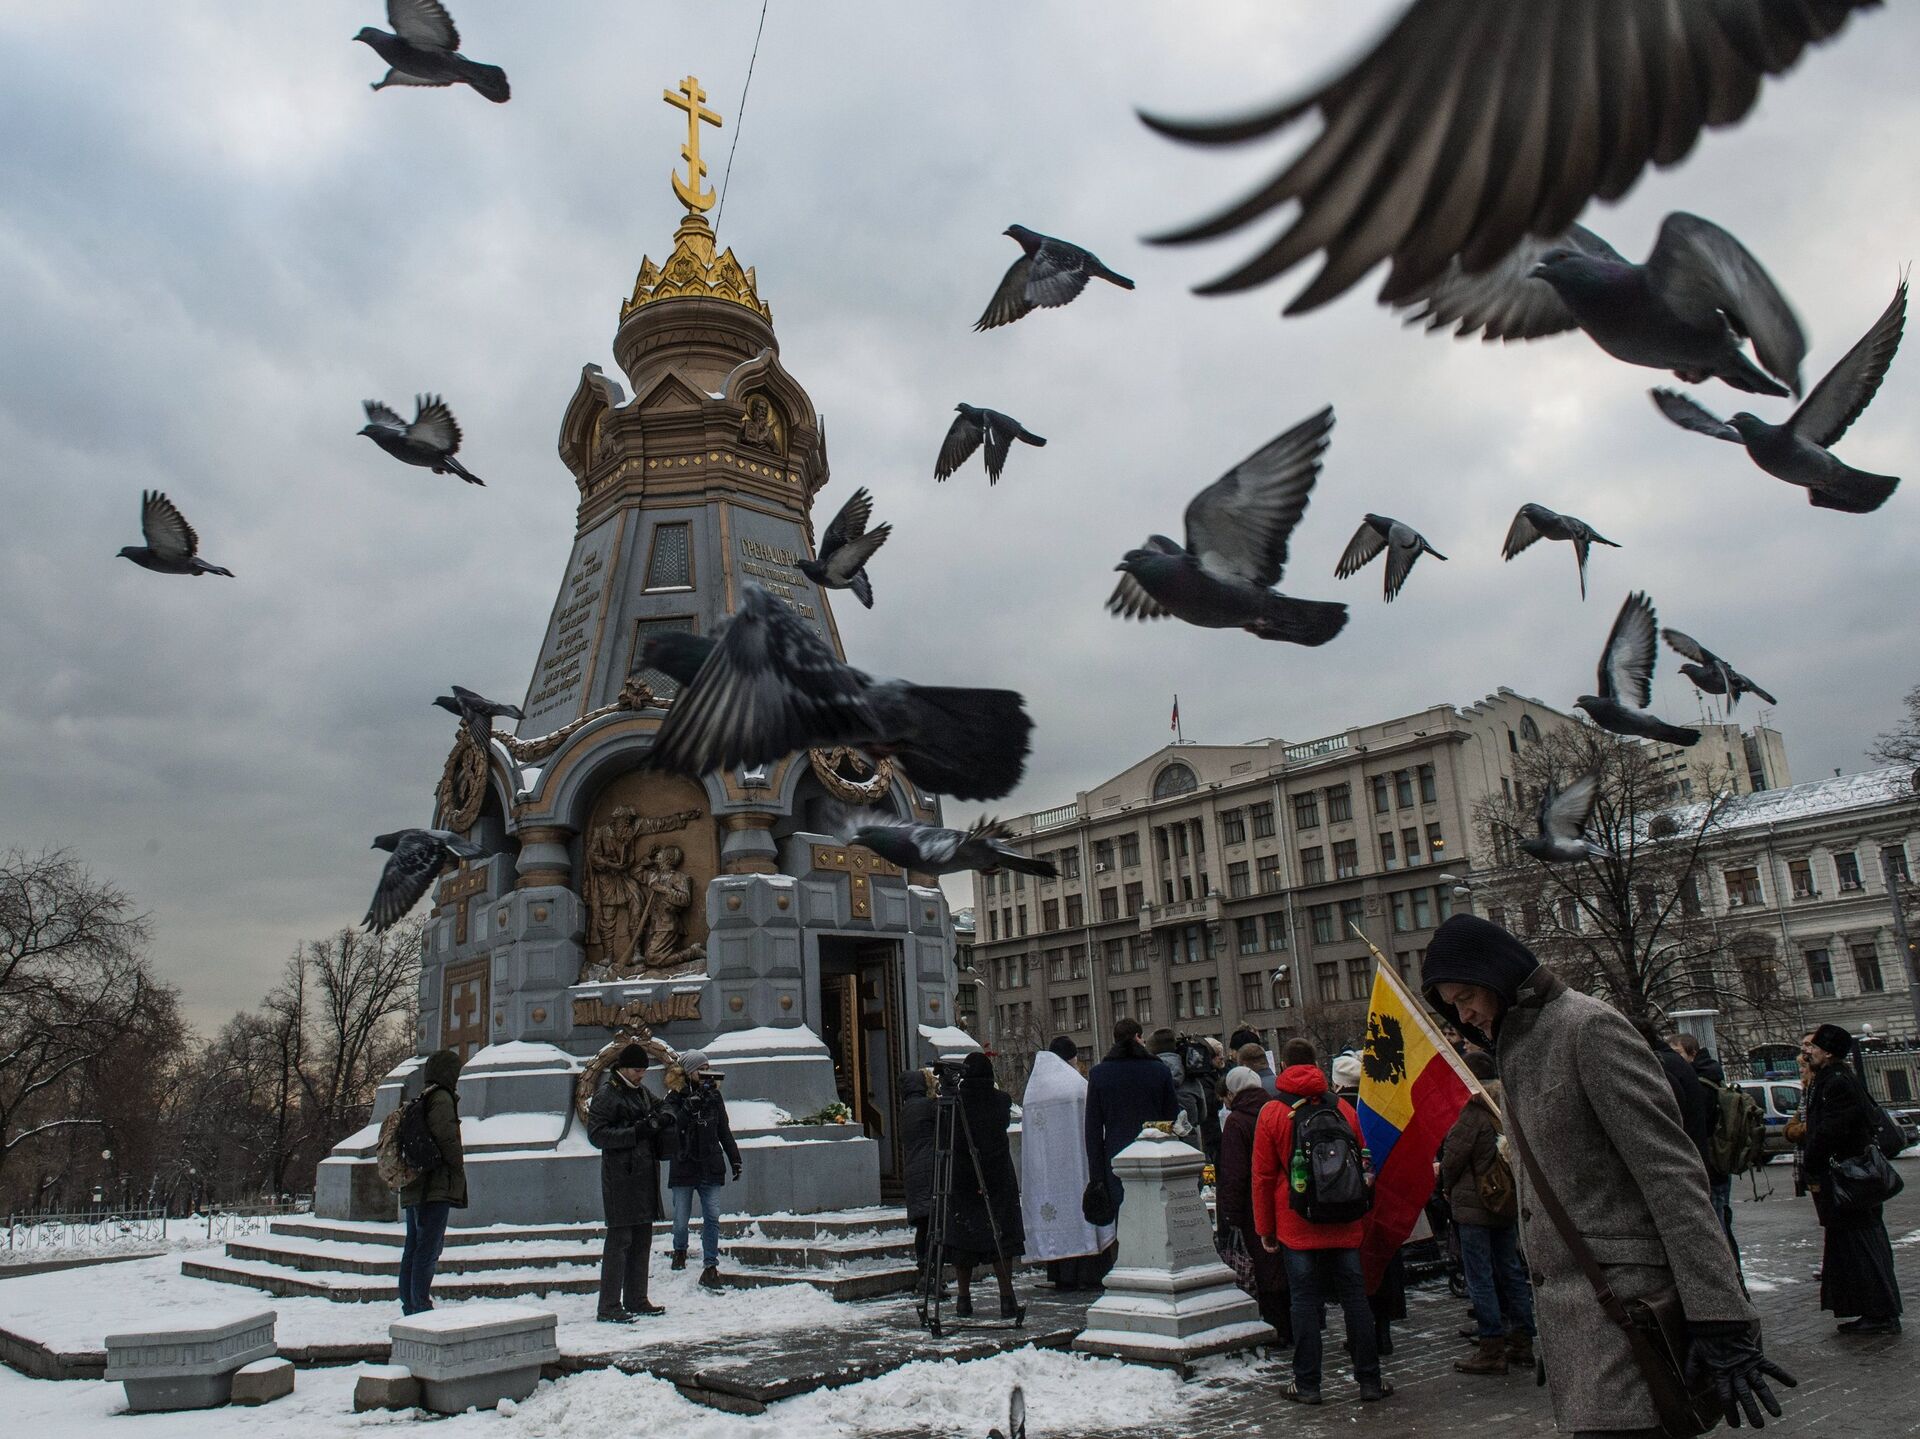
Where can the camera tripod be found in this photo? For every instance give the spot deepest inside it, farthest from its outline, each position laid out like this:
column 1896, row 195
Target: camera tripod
column 949, row 1119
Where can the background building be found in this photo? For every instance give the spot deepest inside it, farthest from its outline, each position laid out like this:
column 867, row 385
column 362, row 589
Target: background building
column 1750, row 760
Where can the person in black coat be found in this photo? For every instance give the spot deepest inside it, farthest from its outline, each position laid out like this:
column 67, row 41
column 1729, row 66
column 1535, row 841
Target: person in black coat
column 702, row 1151
column 624, row 1122
column 985, row 1197
column 916, row 1154
column 1126, row 1091
column 1856, row 1273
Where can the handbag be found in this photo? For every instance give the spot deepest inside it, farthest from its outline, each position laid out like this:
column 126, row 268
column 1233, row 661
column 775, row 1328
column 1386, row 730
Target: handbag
column 1232, row 1250
column 1862, row 1183
column 1654, row 1324
column 1096, row 1203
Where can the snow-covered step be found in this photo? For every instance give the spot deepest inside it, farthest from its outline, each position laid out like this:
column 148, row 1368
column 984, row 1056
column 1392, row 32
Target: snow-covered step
column 892, row 1249
column 347, row 1288
column 316, row 1255
column 847, row 1282
column 394, row 1233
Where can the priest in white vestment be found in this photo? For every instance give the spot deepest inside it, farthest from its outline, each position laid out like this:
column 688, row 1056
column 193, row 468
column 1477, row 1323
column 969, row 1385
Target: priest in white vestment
column 1053, row 1172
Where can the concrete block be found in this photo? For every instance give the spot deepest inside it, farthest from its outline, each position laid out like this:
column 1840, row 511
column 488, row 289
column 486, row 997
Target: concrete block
column 476, row 1355
column 385, row 1386
column 188, row 1366
column 263, row 1381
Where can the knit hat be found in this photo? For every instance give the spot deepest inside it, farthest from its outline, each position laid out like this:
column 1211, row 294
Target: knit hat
column 977, row 1066
column 1346, row 1070
column 1240, row 1077
column 634, row 1056
column 694, row 1061
column 1835, row 1040
column 1469, row 950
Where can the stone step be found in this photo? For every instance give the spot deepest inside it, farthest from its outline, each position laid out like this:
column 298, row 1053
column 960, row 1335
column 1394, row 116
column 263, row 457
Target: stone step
column 893, row 1249
column 311, row 1256
column 849, row 1282
column 285, row 1283
column 836, row 1224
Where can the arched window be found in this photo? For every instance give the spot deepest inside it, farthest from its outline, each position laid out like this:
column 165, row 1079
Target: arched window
column 1174, row 779
column 1529, row 731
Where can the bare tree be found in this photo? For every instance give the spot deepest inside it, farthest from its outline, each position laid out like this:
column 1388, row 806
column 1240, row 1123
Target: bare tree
column 1901, row 744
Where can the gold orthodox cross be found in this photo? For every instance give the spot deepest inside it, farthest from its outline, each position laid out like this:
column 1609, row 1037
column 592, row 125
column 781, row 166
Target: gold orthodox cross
column 692, row 99
column 456, row 893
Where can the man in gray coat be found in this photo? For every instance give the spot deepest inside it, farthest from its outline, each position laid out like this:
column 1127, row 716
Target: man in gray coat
column 1588, row 1097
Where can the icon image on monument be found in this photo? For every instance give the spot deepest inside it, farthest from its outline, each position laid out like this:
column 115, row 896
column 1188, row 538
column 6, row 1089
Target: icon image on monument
column 612, row 899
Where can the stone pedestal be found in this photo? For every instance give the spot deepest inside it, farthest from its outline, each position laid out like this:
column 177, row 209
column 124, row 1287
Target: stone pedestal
column 476, row 1355
column 188, row 1366
column 1169, row 1299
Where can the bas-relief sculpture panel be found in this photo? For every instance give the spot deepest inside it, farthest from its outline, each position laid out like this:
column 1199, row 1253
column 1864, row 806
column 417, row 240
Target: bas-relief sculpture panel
column 648, row 853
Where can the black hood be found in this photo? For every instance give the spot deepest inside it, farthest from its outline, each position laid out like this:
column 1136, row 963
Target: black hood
column 1470, row 950
column 913, row 1085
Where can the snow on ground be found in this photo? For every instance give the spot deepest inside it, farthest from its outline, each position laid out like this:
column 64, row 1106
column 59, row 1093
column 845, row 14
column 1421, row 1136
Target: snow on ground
column 73, row 1310
column 1065, row 1393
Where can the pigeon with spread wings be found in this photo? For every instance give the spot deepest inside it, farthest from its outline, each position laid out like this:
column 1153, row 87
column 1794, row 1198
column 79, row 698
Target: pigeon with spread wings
column 1403, row 545
column 1050, row 272
column 477, row 712
column 1563, row 823
column 929, row 849
column 416, row 858
column 1711, row 674
column 1626, row 678
column 1536, row 522
column 1237, row 533
column 424, row 49
column 846, row 547
column 1474, row 124
column 1800, row 451
column 430, row 440
column 172, row 547
column 972, row 425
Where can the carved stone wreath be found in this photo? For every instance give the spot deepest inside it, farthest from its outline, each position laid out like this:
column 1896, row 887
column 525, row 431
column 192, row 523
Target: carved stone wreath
column 589, row 1080
column 463, row 784
column 826, row 768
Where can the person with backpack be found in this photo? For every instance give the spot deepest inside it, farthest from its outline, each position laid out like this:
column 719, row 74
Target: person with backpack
column 1312, row 1188
column 1479, row 1184
column 1737, row 1137
column 439, row 1185
column 625, row 1122
column 1857, row 1282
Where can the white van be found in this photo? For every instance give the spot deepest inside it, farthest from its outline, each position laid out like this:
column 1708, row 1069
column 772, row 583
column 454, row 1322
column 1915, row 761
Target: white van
column 1779, row 1101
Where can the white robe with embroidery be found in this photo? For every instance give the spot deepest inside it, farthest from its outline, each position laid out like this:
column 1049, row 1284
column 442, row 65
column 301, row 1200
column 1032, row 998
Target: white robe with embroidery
column 1053, row 1163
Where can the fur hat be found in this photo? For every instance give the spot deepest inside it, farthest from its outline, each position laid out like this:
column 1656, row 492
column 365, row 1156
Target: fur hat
column 1835, row 1040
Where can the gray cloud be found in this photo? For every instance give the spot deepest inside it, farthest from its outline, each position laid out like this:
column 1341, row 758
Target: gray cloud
column 217, row 242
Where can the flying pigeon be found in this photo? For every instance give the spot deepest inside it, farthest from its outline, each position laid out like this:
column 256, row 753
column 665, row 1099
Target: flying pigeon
column 1688, row 309
column 766, row 685
column 1473, row 124
column 417, row 857
column 1563, row 823
column 1711, row 674
column 1402, row 543
column 976, row 424
column 931, row 850
column 172, row 548
column 1800, row 451
column 477, row 712
column 1237, row 532
column 430, row 440
column 846, row 547
column 1537, row 522
column 1016, row 1417
column 1626, row 679
column 1049, row 273
column 425, row 50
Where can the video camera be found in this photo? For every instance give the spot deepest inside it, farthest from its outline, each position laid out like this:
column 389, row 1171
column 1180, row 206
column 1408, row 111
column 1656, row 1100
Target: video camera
column 1195, row 1054
column 946, row 1078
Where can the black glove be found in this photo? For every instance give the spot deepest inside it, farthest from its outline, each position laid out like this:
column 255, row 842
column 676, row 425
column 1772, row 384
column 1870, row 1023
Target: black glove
column 736, row 1173
column 1539, row 1372
column 1730, row 1353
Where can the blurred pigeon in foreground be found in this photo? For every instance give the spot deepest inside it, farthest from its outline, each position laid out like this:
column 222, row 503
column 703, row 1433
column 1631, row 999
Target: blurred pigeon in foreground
column 425, row 50
column 932, row 850
column 172, row 548
column 430, row 440
column 1687, row 309
column 477, row 712
column 1537, row 522
column 1710, row 673
column 1474, row 123
column 1237, row 532
column 1563, row 823
column 417, row 858
column 846, row 547
column 973, row 426
column 1049, row 274
column 1626, row 678
column 1799, row 451
column 1403, row 545
column 767, row 685
column 1016, row 1417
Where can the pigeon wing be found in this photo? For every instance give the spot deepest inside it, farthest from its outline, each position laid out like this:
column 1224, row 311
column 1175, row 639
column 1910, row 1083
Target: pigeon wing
column 1400, row 557
column 1130, row 599
column 1001, row 430
column 1698, row 269
column 1626, row 665
column 425, row 23
column 1849, row 387
column 963, row 438
column 850, row 523
column 1473, row 124
column 382, row 414
column 1690, row 647
column 410, row 870
column 167, row 532
column 1504, row 301
column 1010, row 300
column 1058, row 274
column 434, row 426
column 1365, row 544
column 1522, row 532
column 1563, row 815
column 849, row 558
column 771, row 686
column 1688, row 414
column 1239, row 525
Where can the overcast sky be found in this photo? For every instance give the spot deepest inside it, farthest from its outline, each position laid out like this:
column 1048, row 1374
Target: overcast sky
column 215, row 241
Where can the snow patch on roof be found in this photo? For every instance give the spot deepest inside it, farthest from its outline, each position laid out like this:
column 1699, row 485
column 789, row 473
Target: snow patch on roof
column 1867, row 790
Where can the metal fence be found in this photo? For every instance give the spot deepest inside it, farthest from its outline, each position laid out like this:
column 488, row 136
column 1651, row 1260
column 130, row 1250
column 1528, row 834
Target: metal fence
column 240, row 1220
column 87, row 1228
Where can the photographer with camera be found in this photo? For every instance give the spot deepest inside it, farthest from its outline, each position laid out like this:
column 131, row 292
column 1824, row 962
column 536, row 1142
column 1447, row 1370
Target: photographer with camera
column 702, row 1150
column 983, row 1214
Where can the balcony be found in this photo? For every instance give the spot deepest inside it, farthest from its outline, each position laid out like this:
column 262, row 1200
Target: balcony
column 1180, row 911
column 1058, row 815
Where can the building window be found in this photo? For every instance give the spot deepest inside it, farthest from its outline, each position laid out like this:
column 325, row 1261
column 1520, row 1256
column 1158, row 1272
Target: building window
column 1313, row 865
column 1057, row 1009
column 1820, row 973
column 1268, row 868
column 1246, row 935
column 1403, row 788
column 1497, row 914
column 1070, row 863
column 1179, row 1001
column 1436, row 843
column 1102, row 854
column 1082, row 1019
column 1389, row 856
column 1327, row 976
column 1276, row 925
column 1382, row 794
column 1239, row 883
column 1076, row 911
column 1529, row 917
column 1135, row 897
column 1306, row 811
column 1143, row 1007
column 1410, row 842
column 1442, row 902
column 1351, row 911
column 1408, row 961
column 1570, row 913
column 1117, row 1003
column 1049, row 914
column 1129, row 850
column 1690, row 895
column 1213, row 995
column 1199, row 837
column 1020, row 921
column 1109, row 905
column 1174, row 779
column 670, row 564
column 993, row 924
column 1339, row 803
column 1116, row 953
column 1179, row 832
column 1893, row 858
column 1346, row 858
column 1140, row 951
column 1866, row 967
column 1056, row 962
column 1402, row 913
column 1743, row 887
column 1253, row 992
column 1322, row 917
column 1283, row 991
column 1359, row 978
column 1166, row 887
column 1800, row 872
column 1233, row 826
column 1846, row 868
column 1429, row 791
column 1262, row 816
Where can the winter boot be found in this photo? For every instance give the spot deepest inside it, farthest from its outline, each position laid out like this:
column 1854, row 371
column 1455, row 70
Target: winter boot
column 679, row 1260
column 710, row 1278
column 1520, row 1350
column 1490, row 1358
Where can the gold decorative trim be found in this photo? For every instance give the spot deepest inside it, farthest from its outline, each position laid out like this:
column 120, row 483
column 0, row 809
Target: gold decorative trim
column 463, row 783
column 826, row 769
column 634, row 695
column 635, row 1033
column 695, row 271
